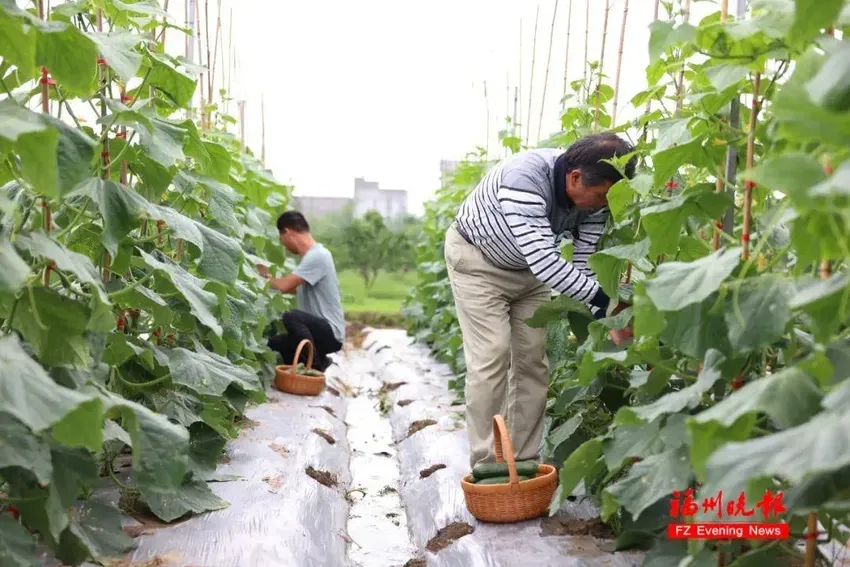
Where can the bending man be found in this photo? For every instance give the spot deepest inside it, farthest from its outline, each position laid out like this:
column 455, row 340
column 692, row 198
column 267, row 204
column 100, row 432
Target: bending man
column 319, row 317
column 503, row 260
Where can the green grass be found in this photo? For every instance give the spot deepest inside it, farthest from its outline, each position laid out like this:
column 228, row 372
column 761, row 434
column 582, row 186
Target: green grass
column 387, row 293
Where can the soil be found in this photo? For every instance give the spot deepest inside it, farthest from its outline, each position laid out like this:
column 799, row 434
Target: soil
column 332, row 390
column 325, row 435
column 327, row 409
column 448, row 535
column 425, row 473
column 279, row 449
column 419, row 425
column 391, row 386
column 274, row 482
column 157, row 561
column 322, row 477
column 224, row 459
column 403, row 403
column 247, row 423
column 387, row 490
column 383, row 454
column 415, row 563
column 560, row 526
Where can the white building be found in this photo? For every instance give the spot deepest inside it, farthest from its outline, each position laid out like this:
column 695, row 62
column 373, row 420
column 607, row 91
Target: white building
column 390, row 203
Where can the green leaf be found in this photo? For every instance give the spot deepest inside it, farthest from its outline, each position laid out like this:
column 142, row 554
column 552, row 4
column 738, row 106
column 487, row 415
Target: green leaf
column 815, row 447
column 20, row 448
column 222, row 256
column 632, row 441
column 207, row 373
column 17, row 546
column 27, row 392
column 555, row 310
column 679, row 284
column 663, row 221
column 686, row 398
column 706, row 438
column 120, row 208
column 39, row 244
column 791, row 173
column 696, row 329
column 563, row 432
column 577, row 465
column 17, row 40
column 724, row 76
column 757, row 310
column 620, row 196
column 17, row 121
column 172, row 503
column 60, row 341
column 652, row 479
column 664, row 35
column 201, row 302
column 608, row 264
column 118, row 48
column 825, row 302
column 13, row 270
column 95, row 531
column 82, row 426
column 170, row 80
column 810, row 16
column 162, row 140
column 70, row 56
column 789, row 397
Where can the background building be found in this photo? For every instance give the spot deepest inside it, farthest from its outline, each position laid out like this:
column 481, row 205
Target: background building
column 368, row 196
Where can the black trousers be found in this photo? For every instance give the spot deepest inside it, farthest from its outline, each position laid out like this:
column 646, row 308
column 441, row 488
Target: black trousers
column 301, row 325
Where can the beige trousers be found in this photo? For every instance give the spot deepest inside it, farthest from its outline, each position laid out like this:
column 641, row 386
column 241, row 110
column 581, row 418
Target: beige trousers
column 507, row 370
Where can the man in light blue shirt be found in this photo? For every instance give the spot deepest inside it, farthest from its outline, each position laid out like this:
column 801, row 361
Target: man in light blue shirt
column 319, row 317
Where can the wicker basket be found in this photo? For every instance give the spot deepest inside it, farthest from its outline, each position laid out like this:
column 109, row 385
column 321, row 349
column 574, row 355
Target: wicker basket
column 517, row 500
column 288, row 380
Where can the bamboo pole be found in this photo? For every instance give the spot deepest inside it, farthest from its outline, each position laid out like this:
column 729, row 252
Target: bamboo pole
column 241, row 104
column 519, row 81
column 215, row 54
column 718, row 184
column 567, row 51
column 516, row 105
column 825, row 270
column 230, row 64
column 586, row 43
column 205, row 124
column 619, row 62
column 201, row 96
column 531, row 78
column 164, row 23
column 263, row 129
column 546, row 75
column 103, row 78
column 487, row 124
column 601, row 66
column 749, row 185
column 47, row 217
column 680, row 83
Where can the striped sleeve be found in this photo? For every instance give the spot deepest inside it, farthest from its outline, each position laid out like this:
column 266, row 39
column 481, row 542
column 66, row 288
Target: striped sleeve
column 525, row 210
column 587, row 237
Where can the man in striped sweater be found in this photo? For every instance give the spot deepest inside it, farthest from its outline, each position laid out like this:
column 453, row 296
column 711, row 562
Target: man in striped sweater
column 503, row 259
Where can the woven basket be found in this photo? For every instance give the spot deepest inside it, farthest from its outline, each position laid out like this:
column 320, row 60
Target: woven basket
column 288, row 380
column 517, row 500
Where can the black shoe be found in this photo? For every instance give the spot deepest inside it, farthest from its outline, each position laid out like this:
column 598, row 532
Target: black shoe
column 322, row 364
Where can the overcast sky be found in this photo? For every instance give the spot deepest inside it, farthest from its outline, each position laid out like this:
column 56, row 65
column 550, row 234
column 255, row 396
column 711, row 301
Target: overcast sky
column 385, row 89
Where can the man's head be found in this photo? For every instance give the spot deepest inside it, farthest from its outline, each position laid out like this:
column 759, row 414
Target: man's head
column 294, row 232
column 588, row 178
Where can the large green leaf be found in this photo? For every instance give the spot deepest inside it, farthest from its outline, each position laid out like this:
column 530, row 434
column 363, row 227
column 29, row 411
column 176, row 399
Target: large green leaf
column 28, row 393
column 17, row 39
column 557, row 309
column 207, row 373
column 173, row 82
column 201, row 302
column 810, row 16
column 789, row 397
column 825, row 301
column 17, row 121
column 686, row 398
column 13, row 269
column 221, row 257
column 39, row 244
column 94, row 531
column 54, row 325
column 791, row 173
column 118, row 50
column 20, row 448
column 120, row 208
column 652, row 479
column 663, row 35
column 70, row 56
column 679, row 284
column 697, row 328
column 757, row 310
column 170, row 503
column 17, row 546
column 608, row 264
column 632, row 441
column 575, row 468
column 663, row 221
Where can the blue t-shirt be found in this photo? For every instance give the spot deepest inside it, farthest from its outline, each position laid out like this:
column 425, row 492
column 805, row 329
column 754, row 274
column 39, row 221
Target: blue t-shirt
column 319, row 294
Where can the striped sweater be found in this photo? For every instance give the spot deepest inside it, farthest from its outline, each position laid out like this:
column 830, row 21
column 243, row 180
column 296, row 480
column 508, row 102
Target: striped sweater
column 518, row 215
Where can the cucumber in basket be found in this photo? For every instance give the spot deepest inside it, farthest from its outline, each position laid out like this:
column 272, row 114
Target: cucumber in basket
column 500, row 480
column 301, row 369
column 490, row 470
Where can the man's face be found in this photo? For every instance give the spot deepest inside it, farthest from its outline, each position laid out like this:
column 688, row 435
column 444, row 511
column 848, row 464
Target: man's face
column 587, row 197
column 287, row 240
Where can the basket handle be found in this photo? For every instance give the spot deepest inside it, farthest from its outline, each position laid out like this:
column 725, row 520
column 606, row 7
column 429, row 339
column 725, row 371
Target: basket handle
column 505, row 449
column 309, row 364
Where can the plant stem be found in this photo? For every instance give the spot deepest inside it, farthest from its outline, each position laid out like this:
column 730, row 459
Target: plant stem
column 567, row 51
column 601, row 67
column 680, row 83
column 748, row 185
column 586, row 41
column 619, row 62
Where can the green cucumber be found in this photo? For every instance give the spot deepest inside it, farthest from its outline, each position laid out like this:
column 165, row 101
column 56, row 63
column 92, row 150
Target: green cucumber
column 500, row 480
column 489, row 470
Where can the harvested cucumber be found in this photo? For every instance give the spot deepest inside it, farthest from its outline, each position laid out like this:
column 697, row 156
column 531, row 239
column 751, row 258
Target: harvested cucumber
column 489, row 470
column 301, row 369
column 500, row 480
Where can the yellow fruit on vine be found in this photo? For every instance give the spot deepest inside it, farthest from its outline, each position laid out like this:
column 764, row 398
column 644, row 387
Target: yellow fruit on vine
column 762, row 262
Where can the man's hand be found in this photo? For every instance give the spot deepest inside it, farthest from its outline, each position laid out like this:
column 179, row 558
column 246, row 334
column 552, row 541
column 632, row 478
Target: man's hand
column 621, row 336
column 263, row 271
